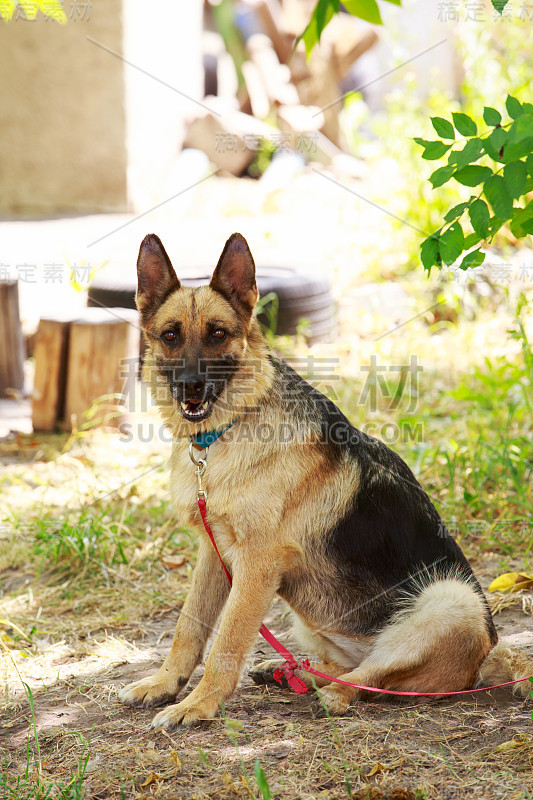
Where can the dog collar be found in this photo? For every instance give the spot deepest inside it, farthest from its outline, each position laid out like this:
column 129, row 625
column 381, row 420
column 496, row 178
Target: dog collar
column 208, row 438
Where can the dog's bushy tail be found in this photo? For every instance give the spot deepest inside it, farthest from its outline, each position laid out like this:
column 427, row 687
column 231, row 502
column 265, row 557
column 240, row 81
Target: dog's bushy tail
column 504, row 663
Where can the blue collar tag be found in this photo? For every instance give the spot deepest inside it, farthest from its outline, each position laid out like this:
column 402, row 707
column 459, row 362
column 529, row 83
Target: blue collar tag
column 208, row 438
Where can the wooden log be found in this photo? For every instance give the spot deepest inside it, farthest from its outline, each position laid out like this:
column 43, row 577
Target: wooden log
column 270, row 14
column 51, row 350
column 276, row 77
column 77, row 361
column 11, row 340
column 318, row 85
column 103, row 350
column 228, row 137
column 318, row 79
column 344, row 58
column 257, row 94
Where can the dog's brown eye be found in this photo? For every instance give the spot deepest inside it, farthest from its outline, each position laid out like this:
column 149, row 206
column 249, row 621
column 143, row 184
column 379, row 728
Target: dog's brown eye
column 219, row 334
column 169, row 336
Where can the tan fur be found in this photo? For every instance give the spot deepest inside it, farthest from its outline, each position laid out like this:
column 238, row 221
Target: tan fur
column 504, row 664
column 271, row 504
column 329, row 647
column 436, row 645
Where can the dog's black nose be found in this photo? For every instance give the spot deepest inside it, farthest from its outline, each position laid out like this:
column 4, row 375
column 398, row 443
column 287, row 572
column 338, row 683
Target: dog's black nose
column 194, row 389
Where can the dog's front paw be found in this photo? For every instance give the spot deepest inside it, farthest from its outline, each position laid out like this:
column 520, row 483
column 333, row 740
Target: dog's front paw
column 150, row 692
column 334, row 698
column 263, row 673
column 189, row 712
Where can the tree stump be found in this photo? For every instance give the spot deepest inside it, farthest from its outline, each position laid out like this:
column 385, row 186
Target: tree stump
column 50, row 352
column 11, row 341
column 82, row 366
column 104, row 346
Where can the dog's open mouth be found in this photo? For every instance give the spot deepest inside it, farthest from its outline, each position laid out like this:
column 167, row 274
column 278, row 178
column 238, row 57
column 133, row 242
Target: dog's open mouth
column 195, row 411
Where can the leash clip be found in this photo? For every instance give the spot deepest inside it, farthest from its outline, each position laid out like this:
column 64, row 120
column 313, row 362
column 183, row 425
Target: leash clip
column 202, row 494
column 200, row 465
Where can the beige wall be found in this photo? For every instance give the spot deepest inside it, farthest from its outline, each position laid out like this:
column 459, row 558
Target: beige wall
column 80, row 129
column 62, row 115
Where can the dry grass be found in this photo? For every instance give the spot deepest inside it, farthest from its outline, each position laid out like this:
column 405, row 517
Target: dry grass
column 82, row 632
column 499, row 601
column 437, row 749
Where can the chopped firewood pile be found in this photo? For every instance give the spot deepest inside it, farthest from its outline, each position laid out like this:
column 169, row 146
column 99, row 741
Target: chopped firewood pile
column 260, row 86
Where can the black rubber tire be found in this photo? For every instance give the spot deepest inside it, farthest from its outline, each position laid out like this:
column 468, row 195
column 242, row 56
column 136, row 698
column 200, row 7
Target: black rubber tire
column 112, row 294
column 299, row 297
column 287, row 316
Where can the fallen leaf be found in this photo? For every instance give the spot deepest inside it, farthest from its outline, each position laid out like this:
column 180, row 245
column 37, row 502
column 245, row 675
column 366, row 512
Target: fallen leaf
column 153, row 777
column 377, row 768
column 513, row 744
column 511, row 581
column 226, row 777
column 173, row 562
column 176, row 759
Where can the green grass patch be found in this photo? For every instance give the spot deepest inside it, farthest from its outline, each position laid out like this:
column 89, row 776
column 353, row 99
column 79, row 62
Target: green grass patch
column 31, row 784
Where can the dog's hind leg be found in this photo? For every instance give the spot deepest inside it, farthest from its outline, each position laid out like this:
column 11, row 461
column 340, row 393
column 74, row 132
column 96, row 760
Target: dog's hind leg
column 503, row 664
column 436, row 644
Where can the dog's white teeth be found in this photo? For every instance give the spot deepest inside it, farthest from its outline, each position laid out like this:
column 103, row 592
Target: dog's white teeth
column 196, row 410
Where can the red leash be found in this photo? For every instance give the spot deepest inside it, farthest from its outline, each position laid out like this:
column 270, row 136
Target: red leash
column 287, row 669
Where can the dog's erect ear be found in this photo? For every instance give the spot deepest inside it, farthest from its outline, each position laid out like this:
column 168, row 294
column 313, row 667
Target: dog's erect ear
column 156, row 276
column 234, row 276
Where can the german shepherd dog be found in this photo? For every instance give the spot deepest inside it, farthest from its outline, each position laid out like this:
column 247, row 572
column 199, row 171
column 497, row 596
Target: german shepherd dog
column 303, row 505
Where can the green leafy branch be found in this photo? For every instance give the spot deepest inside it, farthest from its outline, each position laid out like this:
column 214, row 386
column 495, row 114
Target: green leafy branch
column 368, row 10
column 505, row 176
column 326, row 9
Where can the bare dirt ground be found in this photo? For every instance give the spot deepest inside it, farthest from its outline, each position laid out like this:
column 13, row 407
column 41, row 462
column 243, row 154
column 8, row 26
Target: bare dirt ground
column 480, row 747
